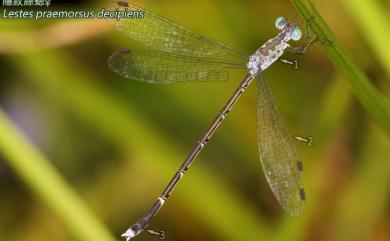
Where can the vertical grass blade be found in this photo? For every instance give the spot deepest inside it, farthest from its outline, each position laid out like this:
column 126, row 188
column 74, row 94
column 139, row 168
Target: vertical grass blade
column 37, row 172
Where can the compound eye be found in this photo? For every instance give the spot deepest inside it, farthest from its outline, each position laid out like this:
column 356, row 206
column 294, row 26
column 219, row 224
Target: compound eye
column 296, row 34
column 280, row 23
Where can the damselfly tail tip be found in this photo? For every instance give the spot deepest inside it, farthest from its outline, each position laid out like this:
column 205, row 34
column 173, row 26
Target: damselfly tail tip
column 129, row 234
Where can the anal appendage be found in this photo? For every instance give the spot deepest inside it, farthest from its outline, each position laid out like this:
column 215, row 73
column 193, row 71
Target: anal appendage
column 133, row 231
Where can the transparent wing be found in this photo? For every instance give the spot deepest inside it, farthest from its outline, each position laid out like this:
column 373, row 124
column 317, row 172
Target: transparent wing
column 159, row 67
column 279, row 157
column 163, row 35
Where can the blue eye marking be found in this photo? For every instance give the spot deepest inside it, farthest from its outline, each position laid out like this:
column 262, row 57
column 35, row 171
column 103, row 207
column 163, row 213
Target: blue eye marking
column 296, row 34
column 279, row 22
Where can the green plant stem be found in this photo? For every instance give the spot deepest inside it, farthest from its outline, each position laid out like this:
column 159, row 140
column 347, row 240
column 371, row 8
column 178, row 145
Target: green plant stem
column 37, row 172
column 375, row 103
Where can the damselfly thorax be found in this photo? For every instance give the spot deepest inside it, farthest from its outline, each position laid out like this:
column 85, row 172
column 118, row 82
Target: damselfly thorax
column 271, row 51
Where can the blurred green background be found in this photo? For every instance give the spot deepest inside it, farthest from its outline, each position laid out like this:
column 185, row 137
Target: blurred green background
column 85, row 153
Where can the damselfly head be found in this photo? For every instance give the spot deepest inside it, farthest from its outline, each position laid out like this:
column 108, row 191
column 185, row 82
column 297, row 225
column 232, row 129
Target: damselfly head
column 290, row 28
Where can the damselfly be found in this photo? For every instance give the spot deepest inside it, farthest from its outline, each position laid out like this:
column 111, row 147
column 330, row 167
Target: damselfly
column 176, row 54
